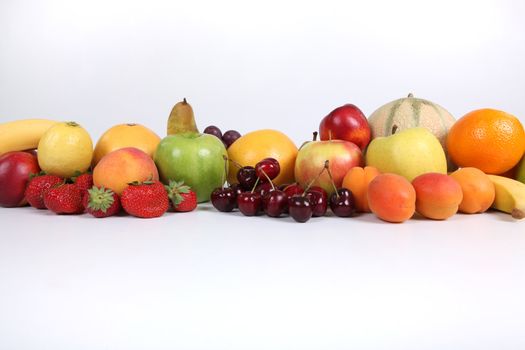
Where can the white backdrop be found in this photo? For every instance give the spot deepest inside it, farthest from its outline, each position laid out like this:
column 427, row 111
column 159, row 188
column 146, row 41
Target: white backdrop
column 246, row 66
column 207, row 280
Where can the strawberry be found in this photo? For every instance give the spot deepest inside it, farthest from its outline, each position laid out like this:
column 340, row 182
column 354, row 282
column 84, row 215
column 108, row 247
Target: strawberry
column 38, row 184
column 83, row 182
column 148, row 199
column 64, row 199
column 101, row 202
column 182, row 198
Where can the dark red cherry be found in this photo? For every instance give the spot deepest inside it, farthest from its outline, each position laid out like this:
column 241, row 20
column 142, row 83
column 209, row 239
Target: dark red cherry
column 342, row 203
column 268, row 166
column 275, row 203
column 247, row 177
column 300, row 208
column 249, row 203
column 263, row 188
column 224, row 199
column 319, row 200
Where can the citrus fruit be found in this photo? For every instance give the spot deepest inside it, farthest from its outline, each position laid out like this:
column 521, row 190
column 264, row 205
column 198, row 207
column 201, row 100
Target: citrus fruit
column 490, row 140
column 253, row 147
column 126, row 135
column 65, row 149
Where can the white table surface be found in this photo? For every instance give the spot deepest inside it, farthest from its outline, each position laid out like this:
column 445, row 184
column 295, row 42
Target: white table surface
column 209, row 280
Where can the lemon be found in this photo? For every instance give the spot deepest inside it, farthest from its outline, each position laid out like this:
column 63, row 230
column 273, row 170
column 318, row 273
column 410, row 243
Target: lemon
column 65, row 149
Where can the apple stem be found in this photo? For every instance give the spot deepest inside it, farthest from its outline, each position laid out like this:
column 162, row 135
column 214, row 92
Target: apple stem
column 184, row 100
column 315, row 136
column 271, row 182
column 327, row 167
column 394, row 129
column 410, row 95
column 255, row 184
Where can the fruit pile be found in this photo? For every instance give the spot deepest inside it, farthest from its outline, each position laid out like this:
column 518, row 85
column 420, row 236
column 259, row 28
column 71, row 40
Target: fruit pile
column 410, row 156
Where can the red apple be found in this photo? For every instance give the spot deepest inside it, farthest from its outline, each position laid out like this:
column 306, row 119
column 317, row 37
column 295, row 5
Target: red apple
column 310, row 161
column 15, row 168
column 346, row 123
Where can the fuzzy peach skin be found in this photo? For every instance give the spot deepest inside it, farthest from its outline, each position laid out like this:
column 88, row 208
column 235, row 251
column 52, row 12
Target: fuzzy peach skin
column 478, row 190
column 119, row 168
column 437, row 195
column 392, row 198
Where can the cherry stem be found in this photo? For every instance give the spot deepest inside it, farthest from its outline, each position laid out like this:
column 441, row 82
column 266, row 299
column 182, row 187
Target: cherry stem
column 255, row 184
column 311, row 183
column 271, row 182
column 224, row 174
column 235, row 163
column 327, row 167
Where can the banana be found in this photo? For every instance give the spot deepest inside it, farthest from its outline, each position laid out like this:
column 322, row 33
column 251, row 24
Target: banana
column 510, row 196
column 24, row 134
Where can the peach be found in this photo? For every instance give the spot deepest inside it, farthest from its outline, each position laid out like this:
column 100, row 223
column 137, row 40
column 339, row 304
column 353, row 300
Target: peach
column 437, row 195
column 357, row 180
column 118, row 168
column 478, row 190
column 391, row 197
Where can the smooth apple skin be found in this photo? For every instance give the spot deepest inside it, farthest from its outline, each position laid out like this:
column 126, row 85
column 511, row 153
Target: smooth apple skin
column 520, row 171
column 342, row 156
column 196, row 159
column 408, row 153
column 15, row 168
column 346, row 123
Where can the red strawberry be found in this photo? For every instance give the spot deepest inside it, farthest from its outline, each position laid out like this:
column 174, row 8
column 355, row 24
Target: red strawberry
column 64, row 199
column 145, row 200
column 83, row 182
column 36, row 188
column 101, row 202
column 182, row 198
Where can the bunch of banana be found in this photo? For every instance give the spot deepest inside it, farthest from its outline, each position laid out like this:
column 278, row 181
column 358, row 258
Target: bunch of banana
column 22, row 134
column 510, row 196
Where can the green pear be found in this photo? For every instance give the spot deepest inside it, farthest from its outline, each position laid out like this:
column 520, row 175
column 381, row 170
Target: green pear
column 408, row 153
column 520, row 170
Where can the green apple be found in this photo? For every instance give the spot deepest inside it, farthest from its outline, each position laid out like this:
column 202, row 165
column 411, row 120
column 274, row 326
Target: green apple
column 196, row 159
column 408, row 153
column 520, row 170
column 186, row 155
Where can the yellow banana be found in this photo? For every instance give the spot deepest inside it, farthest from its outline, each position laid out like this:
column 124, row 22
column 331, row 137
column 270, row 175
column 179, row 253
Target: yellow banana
column 20, row 135
column 510, row 196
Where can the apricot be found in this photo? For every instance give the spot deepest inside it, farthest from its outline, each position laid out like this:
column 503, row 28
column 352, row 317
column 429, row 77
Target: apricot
column 478, row 190
column 437, row 195
column 391, row 197
column 119, row 168
column 357, row 180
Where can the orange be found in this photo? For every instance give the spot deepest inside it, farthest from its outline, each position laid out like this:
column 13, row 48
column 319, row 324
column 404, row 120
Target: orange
column 253, row 147
column 126, row 135
column 490, row 140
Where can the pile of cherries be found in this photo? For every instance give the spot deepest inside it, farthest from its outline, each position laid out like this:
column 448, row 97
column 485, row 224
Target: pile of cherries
column 255, row 193
column 227, row 138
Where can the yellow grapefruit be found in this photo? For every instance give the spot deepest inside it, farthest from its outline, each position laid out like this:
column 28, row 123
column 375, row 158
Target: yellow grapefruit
column 257, row 145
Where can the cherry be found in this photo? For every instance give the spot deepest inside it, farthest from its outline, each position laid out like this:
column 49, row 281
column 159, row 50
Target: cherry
column 230, row 137
column 247, row 177
column 224, row 199
column 275, row 203
column 249, row 203
column 263, row 188
column 300, row 208
column 293, row 189
column 238, row 190
column 342, row 202
column 270, row 166
column 213, row 130
column 319, row 200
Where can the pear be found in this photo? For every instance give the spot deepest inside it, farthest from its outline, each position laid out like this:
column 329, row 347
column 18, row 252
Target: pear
column 181, row 119
column 409, row 153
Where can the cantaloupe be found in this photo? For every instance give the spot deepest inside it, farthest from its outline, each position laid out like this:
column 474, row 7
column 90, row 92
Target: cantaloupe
column 411, row 112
